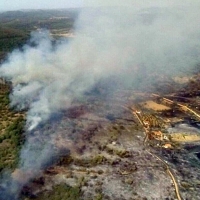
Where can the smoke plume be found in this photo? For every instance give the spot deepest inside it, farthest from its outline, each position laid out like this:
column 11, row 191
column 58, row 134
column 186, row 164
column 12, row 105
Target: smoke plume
column 109, row 41
column 124, row 41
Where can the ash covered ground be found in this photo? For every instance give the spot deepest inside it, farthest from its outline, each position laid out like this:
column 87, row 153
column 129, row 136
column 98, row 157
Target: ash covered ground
column 98, row 147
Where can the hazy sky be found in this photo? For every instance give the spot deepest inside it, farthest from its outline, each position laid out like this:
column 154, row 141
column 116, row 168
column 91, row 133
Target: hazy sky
column 37, row 4
column 51, row 4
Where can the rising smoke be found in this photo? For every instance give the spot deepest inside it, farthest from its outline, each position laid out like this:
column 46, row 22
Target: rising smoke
column 109, row 41
column 122, row 41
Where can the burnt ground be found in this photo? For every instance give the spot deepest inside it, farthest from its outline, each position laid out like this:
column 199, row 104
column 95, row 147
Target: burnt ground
column 99, row 148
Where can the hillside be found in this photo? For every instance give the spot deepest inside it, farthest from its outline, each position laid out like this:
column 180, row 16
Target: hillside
column 139, row 142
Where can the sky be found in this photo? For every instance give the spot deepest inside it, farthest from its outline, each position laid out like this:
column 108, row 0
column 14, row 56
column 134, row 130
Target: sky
column 6, row 5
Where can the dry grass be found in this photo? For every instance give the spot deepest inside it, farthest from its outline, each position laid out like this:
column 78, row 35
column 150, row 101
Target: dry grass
column 155, row 106
column 183, row 137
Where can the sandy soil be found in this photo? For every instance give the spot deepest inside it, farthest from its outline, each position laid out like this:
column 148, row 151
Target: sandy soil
column 155, row 106
column 182, row 137
column 71, row 35
column 182, row 80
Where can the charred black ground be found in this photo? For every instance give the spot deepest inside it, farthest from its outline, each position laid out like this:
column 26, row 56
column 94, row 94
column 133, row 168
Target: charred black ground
column 100, row 144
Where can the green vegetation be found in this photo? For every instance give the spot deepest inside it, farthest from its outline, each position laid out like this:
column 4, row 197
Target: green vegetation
column 15, row 29
column 11, row 38
column 16, row 26
column 10, row 144
column 11, row 131
column 87, row 162
column 61, row 192
column 99, row 196
column 8, row 43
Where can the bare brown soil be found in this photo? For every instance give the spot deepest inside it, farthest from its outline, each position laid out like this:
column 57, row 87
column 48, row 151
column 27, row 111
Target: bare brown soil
column 155, row 106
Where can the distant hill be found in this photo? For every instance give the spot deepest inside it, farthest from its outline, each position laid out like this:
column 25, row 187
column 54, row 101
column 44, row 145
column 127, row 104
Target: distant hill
column 16, row 26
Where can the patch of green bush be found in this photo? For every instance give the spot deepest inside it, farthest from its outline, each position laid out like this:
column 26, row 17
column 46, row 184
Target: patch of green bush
column 10, row 144
column 61, row 192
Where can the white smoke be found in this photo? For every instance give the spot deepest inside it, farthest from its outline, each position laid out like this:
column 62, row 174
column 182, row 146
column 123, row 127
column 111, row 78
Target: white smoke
column 120, row 41
column 109, row 41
